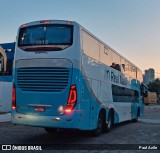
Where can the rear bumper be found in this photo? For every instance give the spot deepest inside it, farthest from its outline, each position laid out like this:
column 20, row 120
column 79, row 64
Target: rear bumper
column 63, row 121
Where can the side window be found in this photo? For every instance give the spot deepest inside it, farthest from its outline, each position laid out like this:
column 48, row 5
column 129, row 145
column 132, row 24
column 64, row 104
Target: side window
column 105, row 55
column 133, row 72
column 116, row 61
column 127, row 66
column 139, row 75
column 122, row 94
column 123, row 65
column 90, row 46
column 108, row 55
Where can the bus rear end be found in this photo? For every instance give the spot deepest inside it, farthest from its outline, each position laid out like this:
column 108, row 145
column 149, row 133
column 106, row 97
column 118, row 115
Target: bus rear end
column 46, row 74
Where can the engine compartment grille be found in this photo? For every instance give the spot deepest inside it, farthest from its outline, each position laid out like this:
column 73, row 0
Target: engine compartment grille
column 45, row 79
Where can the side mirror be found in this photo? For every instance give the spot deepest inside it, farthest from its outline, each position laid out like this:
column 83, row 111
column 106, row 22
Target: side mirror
column 144, row 90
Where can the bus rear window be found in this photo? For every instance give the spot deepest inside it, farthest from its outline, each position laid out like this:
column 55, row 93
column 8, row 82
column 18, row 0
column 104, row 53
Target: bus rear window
column 50, row 37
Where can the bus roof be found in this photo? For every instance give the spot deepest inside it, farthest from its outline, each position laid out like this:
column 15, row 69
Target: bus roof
column 73, row 23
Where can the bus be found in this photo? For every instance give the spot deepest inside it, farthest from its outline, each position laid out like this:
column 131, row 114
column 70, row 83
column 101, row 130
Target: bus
column 67, row 78
column 6, row 77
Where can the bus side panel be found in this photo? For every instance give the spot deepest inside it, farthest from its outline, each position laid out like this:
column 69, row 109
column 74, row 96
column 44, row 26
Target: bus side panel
column 95, row 103
column 93, row 87
column 85, row 102
column 100, row 90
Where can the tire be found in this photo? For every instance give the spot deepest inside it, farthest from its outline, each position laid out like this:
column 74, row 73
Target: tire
column 109, row 125
column 99, row 128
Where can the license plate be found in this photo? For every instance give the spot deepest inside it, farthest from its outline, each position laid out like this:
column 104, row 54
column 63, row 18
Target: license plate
column 39, row 109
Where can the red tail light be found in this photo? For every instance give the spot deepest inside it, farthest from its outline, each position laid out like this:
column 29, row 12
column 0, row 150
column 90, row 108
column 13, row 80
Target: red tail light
column 72, row 99
column 45, row 21
column 13, row 98
column 23, row 25
column 69, row 22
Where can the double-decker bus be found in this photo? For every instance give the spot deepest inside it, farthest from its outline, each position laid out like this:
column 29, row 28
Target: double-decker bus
column 6, row 77
column 67, row 78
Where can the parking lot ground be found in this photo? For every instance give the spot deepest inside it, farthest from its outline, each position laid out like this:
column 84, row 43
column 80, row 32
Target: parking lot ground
column 145, row 132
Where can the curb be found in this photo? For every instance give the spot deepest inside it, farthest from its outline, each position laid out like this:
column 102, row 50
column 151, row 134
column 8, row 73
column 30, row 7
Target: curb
column 149, row 121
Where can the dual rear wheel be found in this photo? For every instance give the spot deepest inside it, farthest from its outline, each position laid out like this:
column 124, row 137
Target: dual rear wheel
column 102, row 126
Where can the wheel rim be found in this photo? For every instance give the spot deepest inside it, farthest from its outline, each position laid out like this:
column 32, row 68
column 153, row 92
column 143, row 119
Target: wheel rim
column 109, row 122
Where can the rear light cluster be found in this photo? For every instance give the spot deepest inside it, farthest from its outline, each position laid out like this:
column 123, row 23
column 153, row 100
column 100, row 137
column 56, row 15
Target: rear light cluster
column 71, row 103
column 24, row 25
column 72, row 99
column 49, row 21
column 13, row 97
column 46, row 22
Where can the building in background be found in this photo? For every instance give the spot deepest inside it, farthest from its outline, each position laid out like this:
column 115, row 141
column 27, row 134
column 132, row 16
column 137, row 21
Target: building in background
column 149, row 76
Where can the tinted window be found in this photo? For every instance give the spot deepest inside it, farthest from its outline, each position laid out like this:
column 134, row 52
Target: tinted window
column 122, row 94
column 45, row 37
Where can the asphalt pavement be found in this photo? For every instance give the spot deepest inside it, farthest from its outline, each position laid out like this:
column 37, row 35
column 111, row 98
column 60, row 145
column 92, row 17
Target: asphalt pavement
column 144, row 133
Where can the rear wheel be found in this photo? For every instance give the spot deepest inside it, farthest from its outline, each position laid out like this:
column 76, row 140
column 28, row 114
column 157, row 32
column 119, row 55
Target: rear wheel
column 109, row 125
column 98, row 130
